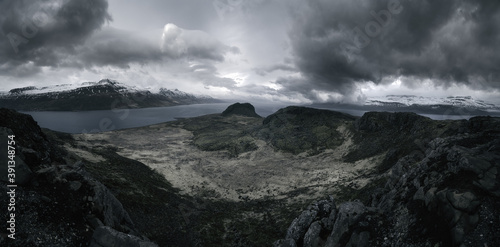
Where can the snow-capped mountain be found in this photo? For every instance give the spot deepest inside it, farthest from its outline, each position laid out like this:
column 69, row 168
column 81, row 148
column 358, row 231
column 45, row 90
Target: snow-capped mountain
column 412, row 100
column 103, row 95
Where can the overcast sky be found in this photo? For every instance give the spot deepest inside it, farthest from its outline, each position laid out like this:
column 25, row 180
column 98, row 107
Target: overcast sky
column 292, row 51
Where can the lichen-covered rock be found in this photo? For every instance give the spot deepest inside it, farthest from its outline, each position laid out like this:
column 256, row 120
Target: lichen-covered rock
column 106, row 204
column 348, row 214
column 312, row 238
column 300, row 225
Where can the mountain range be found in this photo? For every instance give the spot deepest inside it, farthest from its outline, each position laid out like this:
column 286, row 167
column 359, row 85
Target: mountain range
column 103, row 95
column 109, row 94
column 465, row 106
column 409, row 100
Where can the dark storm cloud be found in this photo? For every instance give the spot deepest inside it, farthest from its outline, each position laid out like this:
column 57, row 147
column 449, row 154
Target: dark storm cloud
column 69, row 33
column 40, row 32
column 338, row 43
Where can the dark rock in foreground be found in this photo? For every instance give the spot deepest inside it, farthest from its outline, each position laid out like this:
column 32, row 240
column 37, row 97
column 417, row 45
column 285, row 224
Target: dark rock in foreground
column 241, row 109
column 57, row 203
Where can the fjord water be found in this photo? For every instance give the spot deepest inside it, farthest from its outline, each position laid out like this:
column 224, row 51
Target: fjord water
column 108, row 120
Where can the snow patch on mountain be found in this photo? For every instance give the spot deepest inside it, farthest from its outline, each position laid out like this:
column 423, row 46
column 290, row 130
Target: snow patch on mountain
column 32, row 90
column 77, row 87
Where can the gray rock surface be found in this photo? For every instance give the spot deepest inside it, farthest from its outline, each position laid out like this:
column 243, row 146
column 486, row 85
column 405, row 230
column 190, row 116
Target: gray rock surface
column 348, row 214
column 105, row 236
column 285, row 243
column 312, row 238
column 300, row 225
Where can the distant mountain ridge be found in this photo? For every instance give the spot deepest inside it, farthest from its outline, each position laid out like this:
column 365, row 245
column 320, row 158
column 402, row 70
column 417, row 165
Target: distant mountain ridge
column 463, row 106
column 409, row 100
column 103, row 95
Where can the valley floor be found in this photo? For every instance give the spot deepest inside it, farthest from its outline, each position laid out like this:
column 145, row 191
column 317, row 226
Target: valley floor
column 167, row 148
column 234, row 200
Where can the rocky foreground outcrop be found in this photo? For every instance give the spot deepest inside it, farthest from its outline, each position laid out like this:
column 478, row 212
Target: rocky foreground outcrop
column 57, row 203
column 444, row 195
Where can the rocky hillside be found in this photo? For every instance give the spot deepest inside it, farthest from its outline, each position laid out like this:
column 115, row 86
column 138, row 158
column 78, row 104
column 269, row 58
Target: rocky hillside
column 444, row 192
column 299, row 177
column 56, row 202
column 103, row 95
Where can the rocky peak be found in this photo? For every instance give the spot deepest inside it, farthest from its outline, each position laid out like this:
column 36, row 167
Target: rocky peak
column 107, row 81
column 241, row 109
